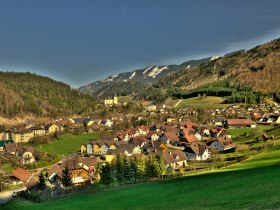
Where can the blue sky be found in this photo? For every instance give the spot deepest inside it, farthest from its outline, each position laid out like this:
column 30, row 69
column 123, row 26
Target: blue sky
column 79, row 41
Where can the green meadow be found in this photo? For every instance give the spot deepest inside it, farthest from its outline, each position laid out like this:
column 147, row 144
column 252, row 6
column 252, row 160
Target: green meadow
column 210, row 102
column 68, row 143
column 251, row 184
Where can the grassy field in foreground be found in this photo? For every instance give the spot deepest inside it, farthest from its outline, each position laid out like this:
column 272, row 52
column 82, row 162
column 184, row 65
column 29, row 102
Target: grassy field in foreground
column 67, row 144
column 210, row 102
column 252, row 184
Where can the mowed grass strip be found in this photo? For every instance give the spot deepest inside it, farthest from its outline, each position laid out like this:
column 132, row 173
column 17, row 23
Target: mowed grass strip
column 253, row 184
column 210, row 102
column 68, row 143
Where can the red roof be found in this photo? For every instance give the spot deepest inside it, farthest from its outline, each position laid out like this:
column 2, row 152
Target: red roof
column 191, row 138
column 240, row 122
column 21, row 174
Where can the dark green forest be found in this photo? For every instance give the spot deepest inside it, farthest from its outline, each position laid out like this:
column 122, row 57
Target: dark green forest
column 27, row 93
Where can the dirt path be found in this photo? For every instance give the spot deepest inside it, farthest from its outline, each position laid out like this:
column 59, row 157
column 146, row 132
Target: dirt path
column 178, row 103
column 8, row 195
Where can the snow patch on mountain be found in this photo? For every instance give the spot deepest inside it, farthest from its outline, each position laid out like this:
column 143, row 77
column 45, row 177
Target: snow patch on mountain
column 147, row 69
column 156, row 70
column 214, row 58
column 132, row 75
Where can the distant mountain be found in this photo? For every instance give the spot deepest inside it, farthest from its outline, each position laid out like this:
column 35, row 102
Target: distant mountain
column 29, row 94
column 256, row 69
column 135, row 81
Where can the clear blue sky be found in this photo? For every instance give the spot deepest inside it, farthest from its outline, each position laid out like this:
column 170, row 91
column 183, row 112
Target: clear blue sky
column 80, row 41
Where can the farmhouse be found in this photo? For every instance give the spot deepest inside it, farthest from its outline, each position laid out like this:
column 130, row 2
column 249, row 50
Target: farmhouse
column 21, row 176
column 240, row 123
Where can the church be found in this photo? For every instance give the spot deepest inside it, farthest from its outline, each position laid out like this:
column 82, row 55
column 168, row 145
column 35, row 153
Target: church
column 111, row 102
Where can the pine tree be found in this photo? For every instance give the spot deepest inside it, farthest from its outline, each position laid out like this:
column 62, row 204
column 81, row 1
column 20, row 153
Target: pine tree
column 120, row 169
column 141, row 166
column 126, row 169
column 149, row 166
column 106, row 175
column 42, row 182
column 159, row 167
column 97, row 172
column 134, row 169
column 66, row 177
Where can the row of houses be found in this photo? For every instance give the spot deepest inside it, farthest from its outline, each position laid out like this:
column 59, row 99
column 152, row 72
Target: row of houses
column 24, row 134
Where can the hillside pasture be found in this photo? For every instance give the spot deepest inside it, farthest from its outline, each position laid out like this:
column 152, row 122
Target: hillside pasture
column 210, row 102
column 68, row 143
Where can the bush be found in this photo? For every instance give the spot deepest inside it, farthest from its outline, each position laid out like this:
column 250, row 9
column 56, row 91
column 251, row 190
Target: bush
column 40, row 140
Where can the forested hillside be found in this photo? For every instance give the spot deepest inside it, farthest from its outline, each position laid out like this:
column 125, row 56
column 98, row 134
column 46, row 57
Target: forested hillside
column 256, row 71
column 27, row 93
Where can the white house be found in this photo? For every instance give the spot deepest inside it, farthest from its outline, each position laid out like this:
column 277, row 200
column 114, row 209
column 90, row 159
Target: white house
column 197, row 151
column 222, row 144
column 89, row 148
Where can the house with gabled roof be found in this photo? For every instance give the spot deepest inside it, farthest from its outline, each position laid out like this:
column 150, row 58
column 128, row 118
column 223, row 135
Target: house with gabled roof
column 138, row 141
column 126, row 149
column 174, row 159
column 123, row 136
column 197, row 151
column 82, row 169
column 168, row 138
column 27, row 155
column 143, row 130
column 12, row 148
column 189, row 138
column 222, row 144
column 20, row 175
column 153, row 135
column 153, row 147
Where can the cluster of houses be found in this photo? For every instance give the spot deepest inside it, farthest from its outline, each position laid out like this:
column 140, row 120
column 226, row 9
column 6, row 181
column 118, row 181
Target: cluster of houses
column 17, row 152
column 174, row 141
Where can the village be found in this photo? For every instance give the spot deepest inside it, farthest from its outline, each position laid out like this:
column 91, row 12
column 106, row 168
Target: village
column 161, row 142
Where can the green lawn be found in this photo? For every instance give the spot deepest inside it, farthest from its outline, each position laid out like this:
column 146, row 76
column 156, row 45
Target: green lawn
column 235, row 132
column 210, row 102
column 68, row 143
